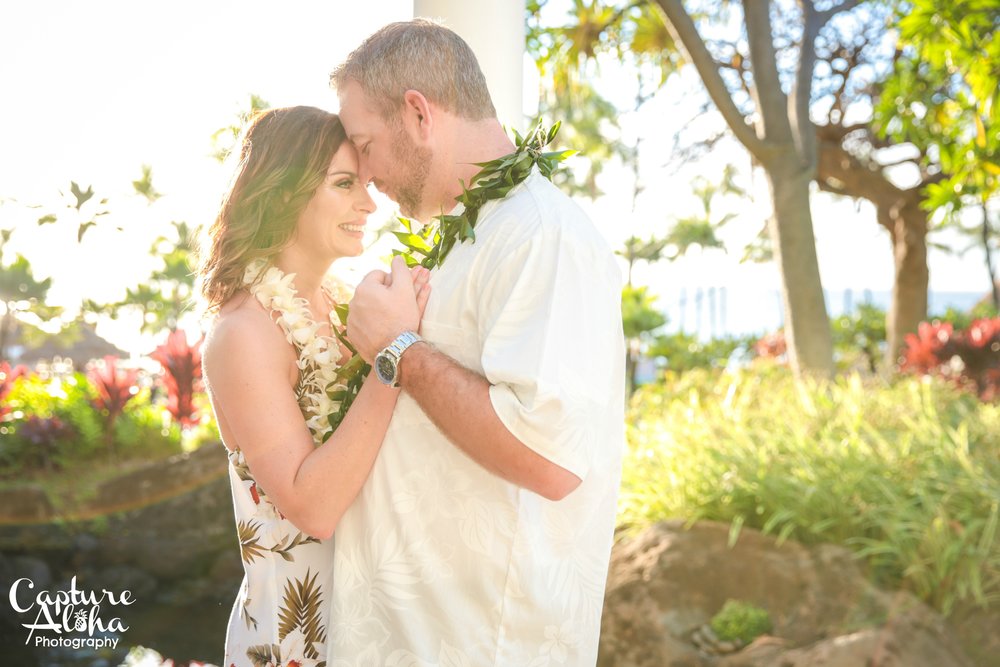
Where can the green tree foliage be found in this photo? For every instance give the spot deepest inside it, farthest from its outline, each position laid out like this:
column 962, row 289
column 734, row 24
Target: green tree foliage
column 83, row 209
column 684, row 352
column 224, row 139
column 144, row 185
column 568, row 58
column 763, row 95
column 640, row 318
column 168, row 292
column 861, row 332
column 944, row 97
column 22, row 296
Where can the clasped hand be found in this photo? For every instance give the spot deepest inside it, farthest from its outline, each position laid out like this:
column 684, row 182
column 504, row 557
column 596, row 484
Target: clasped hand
column 385, row 305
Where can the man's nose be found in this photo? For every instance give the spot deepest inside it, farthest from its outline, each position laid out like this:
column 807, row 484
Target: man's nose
column 364, row 170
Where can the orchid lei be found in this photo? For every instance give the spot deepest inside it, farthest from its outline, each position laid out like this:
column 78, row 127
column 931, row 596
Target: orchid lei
column 319, row 356
column 431, row 244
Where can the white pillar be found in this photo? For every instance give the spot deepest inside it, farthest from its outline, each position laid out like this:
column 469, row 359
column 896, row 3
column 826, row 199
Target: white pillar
column 495, row 31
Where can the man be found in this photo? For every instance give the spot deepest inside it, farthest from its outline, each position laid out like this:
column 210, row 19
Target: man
column 483, row 534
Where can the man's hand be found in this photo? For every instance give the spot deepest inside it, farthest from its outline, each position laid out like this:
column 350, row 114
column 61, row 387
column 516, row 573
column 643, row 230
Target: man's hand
column 385, row 305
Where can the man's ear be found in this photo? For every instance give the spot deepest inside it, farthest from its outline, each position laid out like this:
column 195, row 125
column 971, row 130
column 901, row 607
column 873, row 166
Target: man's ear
column 417, row 114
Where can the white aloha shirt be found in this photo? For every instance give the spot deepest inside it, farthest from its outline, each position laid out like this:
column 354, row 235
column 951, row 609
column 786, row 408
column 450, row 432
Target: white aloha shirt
column 440, row 563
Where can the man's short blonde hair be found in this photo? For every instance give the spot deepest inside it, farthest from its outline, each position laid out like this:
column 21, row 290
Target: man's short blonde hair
column 418, row 55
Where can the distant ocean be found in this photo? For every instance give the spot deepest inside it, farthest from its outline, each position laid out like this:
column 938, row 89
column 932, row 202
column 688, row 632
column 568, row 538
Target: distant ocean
column 712, row 312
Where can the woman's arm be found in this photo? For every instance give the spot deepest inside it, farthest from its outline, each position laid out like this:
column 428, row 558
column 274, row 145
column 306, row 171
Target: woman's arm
column 246, row 364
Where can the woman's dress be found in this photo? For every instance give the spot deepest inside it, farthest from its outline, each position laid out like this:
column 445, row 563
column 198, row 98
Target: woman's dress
column 280, row 617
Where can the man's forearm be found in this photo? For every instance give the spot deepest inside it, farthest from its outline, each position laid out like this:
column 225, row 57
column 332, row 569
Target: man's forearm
column 457, row 400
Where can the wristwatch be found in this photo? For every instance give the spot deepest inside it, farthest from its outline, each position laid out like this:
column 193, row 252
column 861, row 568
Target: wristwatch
column 387, row 361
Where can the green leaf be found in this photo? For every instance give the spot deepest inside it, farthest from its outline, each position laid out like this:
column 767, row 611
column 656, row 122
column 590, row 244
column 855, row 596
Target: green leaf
column 83, row 230
column 81, row 196
column 342, row 310
column 413, row 241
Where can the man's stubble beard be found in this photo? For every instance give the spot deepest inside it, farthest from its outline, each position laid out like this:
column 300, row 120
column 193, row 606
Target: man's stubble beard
column 414, row 166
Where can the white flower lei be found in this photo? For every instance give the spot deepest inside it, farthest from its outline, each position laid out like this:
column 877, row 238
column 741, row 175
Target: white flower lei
column 319, row 355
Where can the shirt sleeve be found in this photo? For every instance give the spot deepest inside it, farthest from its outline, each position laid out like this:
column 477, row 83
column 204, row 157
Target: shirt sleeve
column 551, row 329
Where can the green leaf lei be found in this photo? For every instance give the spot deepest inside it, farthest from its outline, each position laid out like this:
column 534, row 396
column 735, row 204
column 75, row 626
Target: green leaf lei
column 430, row 245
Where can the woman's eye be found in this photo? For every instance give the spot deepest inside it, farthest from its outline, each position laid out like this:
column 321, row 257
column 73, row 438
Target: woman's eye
column 345, row 183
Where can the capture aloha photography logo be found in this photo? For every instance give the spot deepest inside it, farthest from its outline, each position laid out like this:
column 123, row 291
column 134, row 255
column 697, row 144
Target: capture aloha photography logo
column 70, row 618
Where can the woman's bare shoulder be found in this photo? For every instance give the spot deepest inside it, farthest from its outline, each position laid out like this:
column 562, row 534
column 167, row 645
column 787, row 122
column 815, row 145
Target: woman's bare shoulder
column 243, row 325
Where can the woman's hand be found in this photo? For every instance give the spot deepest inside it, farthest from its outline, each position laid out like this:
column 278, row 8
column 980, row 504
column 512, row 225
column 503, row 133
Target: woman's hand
column 421, row 287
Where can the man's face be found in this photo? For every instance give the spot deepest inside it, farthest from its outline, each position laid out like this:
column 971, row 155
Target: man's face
column 389, row 157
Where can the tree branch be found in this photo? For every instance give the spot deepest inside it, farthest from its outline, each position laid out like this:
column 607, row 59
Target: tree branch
column 846, row 6
column 899, row 163
column 798, row 106
column 772, row 104
column 685, row 35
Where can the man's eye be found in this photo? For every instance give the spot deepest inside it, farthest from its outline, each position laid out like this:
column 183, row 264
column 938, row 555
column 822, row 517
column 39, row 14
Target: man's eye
column 364, row 150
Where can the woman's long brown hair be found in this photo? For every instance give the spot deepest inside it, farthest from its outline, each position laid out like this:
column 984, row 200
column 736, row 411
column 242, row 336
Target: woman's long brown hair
column 284, row 156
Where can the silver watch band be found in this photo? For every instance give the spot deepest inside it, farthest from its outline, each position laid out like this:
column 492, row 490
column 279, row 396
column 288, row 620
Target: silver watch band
column 401, row 343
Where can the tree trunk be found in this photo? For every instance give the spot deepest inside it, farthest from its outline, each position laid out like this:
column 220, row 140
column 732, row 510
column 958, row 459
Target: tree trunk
column 987, row 233
column 907, row 224
column 7, row 316
column 807, row 324
column 898, row 212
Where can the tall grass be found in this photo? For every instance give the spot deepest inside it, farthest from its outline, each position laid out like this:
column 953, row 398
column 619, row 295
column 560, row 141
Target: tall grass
column 907, row 475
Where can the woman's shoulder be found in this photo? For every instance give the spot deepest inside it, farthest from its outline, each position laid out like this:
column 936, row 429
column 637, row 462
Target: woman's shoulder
column 244, row 324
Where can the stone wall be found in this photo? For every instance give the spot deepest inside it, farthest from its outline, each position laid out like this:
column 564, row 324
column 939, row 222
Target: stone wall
column 165, row 532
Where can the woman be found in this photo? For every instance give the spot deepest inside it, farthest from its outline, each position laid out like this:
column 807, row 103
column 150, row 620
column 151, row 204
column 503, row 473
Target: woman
column 270, row 358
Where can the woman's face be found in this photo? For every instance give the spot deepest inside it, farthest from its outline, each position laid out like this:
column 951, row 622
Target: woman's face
column 333, row 221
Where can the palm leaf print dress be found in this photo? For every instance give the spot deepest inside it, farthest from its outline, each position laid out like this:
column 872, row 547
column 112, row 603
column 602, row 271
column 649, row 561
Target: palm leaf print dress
column 281, row 613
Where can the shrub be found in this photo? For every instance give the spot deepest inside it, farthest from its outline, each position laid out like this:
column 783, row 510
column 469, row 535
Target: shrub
column 740, row 621
column 140, row 430
column 144, row 429
column 969, row 358
column 8, row 376
column 861, row 333
column 181, row 375
column 40, row 439
column 907, row 475
column 684, row 352
column 114, row 389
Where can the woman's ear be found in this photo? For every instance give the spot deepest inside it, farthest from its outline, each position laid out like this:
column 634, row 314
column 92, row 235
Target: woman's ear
column 417, row 114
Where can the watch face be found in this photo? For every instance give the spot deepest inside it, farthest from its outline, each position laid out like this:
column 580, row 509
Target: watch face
column 385, row 366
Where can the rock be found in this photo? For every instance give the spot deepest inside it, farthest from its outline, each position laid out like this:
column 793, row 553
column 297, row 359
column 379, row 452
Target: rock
column 161, row 480
column 27, row 503
column 979, row 631
column 120, row 578
column 666, row 583
column 48, row 539
column 13, row 568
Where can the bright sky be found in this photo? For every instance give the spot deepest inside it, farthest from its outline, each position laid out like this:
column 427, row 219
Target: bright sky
column 92, row 91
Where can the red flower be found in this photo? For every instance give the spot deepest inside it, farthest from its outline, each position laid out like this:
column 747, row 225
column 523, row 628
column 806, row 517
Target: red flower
column 983, row 333
column 771, row 346
column 7, row 377
column 182, row 375
column 293, row 663
column 254, row 494
column 114, row 388
column 970, row 359
column 923, row 350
